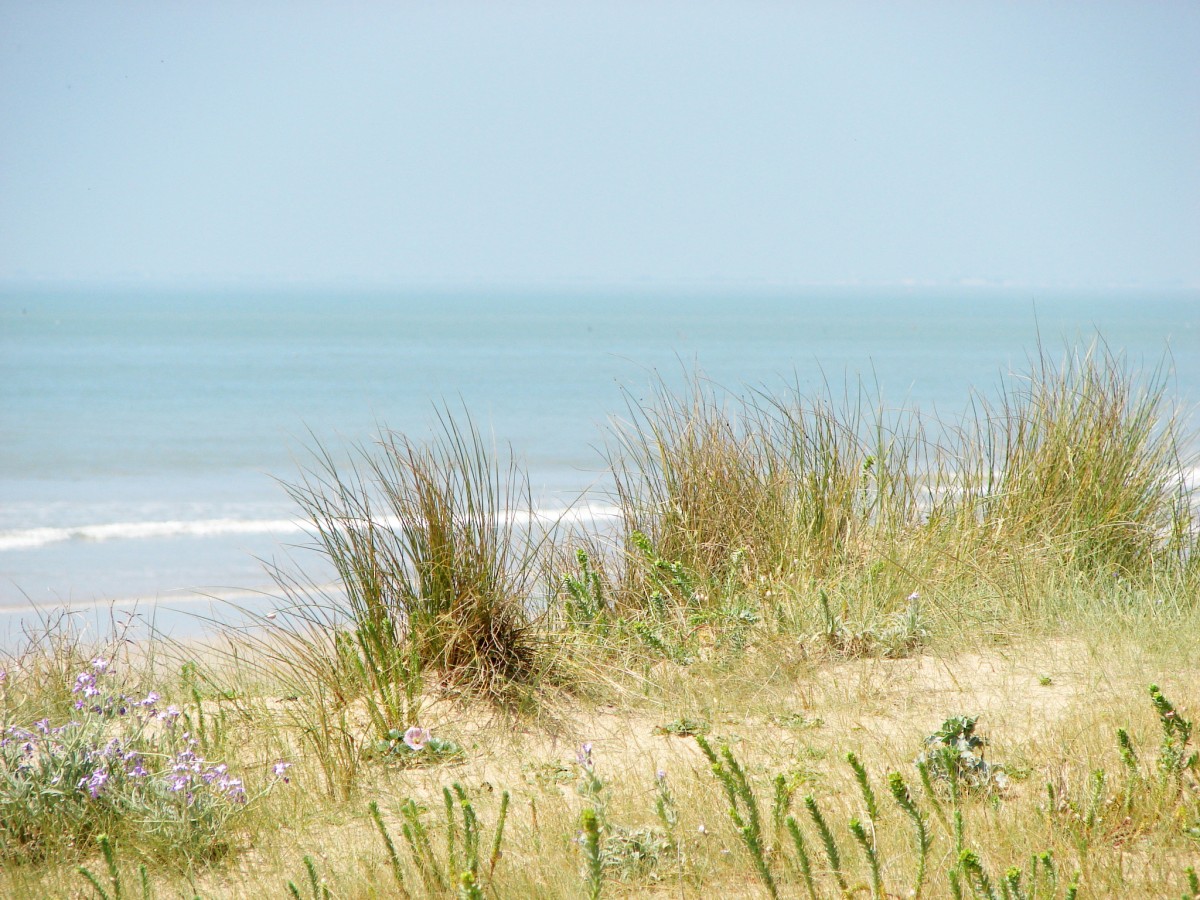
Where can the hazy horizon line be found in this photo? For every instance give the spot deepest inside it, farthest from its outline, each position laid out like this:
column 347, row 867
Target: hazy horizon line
column 18, row 282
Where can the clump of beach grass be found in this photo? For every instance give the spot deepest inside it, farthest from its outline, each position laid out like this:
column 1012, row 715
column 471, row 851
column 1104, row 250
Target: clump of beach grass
column 437, row 569
column 784, row 484
column 1082, row 460
column 1076, row 475
column 439, row 566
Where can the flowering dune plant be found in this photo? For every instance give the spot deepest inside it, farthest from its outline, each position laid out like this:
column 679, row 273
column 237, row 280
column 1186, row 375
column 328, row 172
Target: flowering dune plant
column 121, row 763
column 416, row 746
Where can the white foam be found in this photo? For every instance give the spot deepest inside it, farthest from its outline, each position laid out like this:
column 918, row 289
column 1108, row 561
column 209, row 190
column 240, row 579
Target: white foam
column 33, row 538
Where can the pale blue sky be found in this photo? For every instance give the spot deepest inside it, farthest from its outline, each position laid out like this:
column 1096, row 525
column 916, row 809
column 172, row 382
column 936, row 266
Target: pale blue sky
column 1039, row 143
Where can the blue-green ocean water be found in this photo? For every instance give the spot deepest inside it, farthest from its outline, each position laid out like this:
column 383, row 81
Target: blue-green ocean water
column 142, row 432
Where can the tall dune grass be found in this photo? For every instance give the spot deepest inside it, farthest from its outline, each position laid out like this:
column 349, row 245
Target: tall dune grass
column 1076, row 471
column 437, row 570
column 787, row 484
column 1082, row 460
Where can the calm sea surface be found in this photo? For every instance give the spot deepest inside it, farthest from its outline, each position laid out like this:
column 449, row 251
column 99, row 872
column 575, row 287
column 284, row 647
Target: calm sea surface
column 143, row 433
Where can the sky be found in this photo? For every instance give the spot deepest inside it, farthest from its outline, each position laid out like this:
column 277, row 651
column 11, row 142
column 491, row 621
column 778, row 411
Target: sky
column 1048, row 143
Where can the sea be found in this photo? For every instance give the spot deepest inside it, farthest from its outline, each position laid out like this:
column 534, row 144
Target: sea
column 147, row 434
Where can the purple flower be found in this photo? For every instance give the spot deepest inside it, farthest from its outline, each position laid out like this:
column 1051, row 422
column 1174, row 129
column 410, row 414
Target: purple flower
column 583, row 755
column 214, row 772
column 280, row 769
column 100, row 664
column 417, row 737
column 232, row 787
column 85, row 683
column 95, row 784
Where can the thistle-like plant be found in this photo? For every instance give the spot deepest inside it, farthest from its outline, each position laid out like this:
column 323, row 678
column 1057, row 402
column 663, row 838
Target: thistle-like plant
column 955, row 749
column 665, row 805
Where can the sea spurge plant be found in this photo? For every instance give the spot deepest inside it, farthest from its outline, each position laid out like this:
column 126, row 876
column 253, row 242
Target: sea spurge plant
column 864, row 786
column 585, row 600
column 743, row 808
column 831, row 848
column 397, row 867
column 868, row 847
column 318, row 890
column 904, row 800
column 417, row 837
column 976, row 875
column 1174, row 758
column 117, row 886
column 803, row 861
column 461, row 867
column 670, row 577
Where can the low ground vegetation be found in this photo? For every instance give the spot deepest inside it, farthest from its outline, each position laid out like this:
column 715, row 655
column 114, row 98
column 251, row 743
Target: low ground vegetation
column 829, row 650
